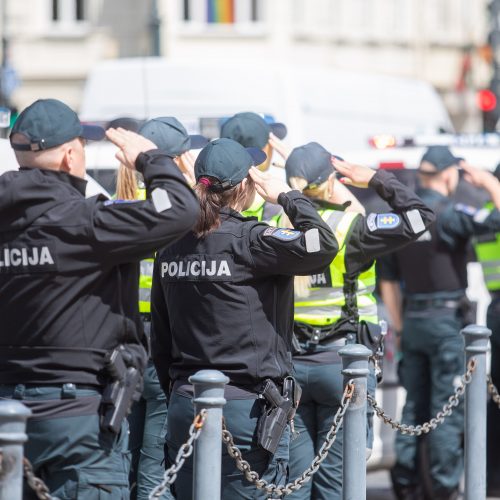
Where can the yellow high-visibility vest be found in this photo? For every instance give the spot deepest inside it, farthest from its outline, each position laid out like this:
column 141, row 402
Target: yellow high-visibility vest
column 326, row 298
column 488, row 254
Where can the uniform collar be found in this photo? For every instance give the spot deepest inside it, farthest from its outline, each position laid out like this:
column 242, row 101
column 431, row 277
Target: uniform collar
column 431, row 193
column 77, row 182
column 326, row 205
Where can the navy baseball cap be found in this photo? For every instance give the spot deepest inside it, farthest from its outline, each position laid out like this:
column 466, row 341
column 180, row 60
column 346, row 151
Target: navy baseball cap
column 440, row 157
column 227, row 161
column 48, row 123
column 311, row 162
column 170, row 136
column 251, row 130
column 126, row 122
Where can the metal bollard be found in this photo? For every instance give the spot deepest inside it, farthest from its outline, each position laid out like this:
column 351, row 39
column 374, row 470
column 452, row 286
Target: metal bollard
column 476, row 346
column 13, row 416
column 208, row 393
column 355, row 366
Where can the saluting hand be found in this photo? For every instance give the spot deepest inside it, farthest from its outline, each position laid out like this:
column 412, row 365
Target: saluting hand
column 130, row 145
column 186, row 165
column 353, row 175
column 267, row 186
column 279, row 146
column 477, row 177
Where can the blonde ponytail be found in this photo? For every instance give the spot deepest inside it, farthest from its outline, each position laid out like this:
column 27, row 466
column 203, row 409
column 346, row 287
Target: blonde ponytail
column 302, row 284
column 126, row 184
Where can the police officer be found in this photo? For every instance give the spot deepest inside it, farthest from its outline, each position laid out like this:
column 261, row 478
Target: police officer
column 252, row 131
column 488, row 254
column 68, row 283
column 337, row 305
column 222, row 299
column 148, row 418
column 433, row 271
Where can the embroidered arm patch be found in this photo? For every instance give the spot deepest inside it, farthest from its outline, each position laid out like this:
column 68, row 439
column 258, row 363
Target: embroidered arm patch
column 282, row 233
column 466, row 209
column 382, row 221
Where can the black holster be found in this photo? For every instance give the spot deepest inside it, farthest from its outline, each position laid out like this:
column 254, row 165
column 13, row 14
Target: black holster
column 372, row 335
column 124, row 388
column 279, row 410
column 467, row 311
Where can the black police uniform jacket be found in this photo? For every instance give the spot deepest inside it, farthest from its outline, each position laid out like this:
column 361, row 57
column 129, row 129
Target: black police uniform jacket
column 69, row 272
column 437, row 261
column 226, row 301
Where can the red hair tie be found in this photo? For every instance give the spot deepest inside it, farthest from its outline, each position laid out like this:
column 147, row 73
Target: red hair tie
column 205, row 181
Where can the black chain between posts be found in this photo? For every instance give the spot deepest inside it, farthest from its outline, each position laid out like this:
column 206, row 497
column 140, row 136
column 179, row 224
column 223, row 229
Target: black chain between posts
column 453, row 402
column 495, row 396
column 184, row 452
column 280, row 491
column 35, row 483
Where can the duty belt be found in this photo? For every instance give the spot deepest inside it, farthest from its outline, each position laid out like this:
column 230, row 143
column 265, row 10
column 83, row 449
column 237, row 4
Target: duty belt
column 313, row 334
column 422, row 304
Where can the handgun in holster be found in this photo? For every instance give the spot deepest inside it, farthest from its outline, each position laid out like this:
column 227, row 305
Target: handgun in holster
column 279, row 409
column 125, row 387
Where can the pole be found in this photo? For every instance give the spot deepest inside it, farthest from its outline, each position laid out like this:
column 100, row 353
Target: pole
column 13, row 416
column 355, row 366
column 208, row 393
column 476, row 346
column 154, row 24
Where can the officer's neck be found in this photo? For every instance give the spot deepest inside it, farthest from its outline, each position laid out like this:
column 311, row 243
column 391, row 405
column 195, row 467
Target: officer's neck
column 438, row 186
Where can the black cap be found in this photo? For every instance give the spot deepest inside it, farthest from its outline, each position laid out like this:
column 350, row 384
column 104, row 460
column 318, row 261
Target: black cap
column 170, row 136
column 251, row 130
column 227, row 161
column 440, row 157
column 48, row 123
column 126, row 122
column 311, row 162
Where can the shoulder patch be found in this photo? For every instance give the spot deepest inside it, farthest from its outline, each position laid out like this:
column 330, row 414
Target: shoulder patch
column 382, row 221
column 282, row 233
column 481, row 215
column 466, row 209
column 371, row 222
column 119, row 202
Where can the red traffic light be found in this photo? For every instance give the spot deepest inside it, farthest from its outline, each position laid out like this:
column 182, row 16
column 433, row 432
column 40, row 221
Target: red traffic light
column 486, row 100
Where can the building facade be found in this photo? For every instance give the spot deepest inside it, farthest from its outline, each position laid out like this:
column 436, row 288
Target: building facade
column 52, row 44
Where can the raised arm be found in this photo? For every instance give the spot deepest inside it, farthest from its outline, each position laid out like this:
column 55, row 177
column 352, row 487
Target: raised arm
column 128, row 231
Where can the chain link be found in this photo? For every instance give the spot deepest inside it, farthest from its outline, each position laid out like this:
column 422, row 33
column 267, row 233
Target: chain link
column 35, row 483
column 418, row 430
column 280, row 491
column 495, row 396
column 184, row 452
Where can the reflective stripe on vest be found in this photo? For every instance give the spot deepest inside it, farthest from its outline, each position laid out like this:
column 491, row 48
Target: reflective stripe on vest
column 488, row 254
column 145, row 282
column 324, row 304
column 146, row 273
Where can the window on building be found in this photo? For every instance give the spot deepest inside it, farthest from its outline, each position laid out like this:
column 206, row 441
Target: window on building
column 222, row 12
column 68, row 11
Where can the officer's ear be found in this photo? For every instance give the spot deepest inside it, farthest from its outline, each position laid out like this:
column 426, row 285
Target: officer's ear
column 66, row 159
column 331, row 185
column 451, row 178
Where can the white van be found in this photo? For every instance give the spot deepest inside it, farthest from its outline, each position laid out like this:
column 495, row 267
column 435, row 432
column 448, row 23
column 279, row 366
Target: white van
column 340, row 109
column 9, row 162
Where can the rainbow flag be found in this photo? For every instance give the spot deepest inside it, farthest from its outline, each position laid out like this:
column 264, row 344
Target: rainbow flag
column 220, row 11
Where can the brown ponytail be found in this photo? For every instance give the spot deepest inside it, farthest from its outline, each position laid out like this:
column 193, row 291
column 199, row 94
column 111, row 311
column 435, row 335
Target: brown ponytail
column 126, row 184
column 211, row 203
